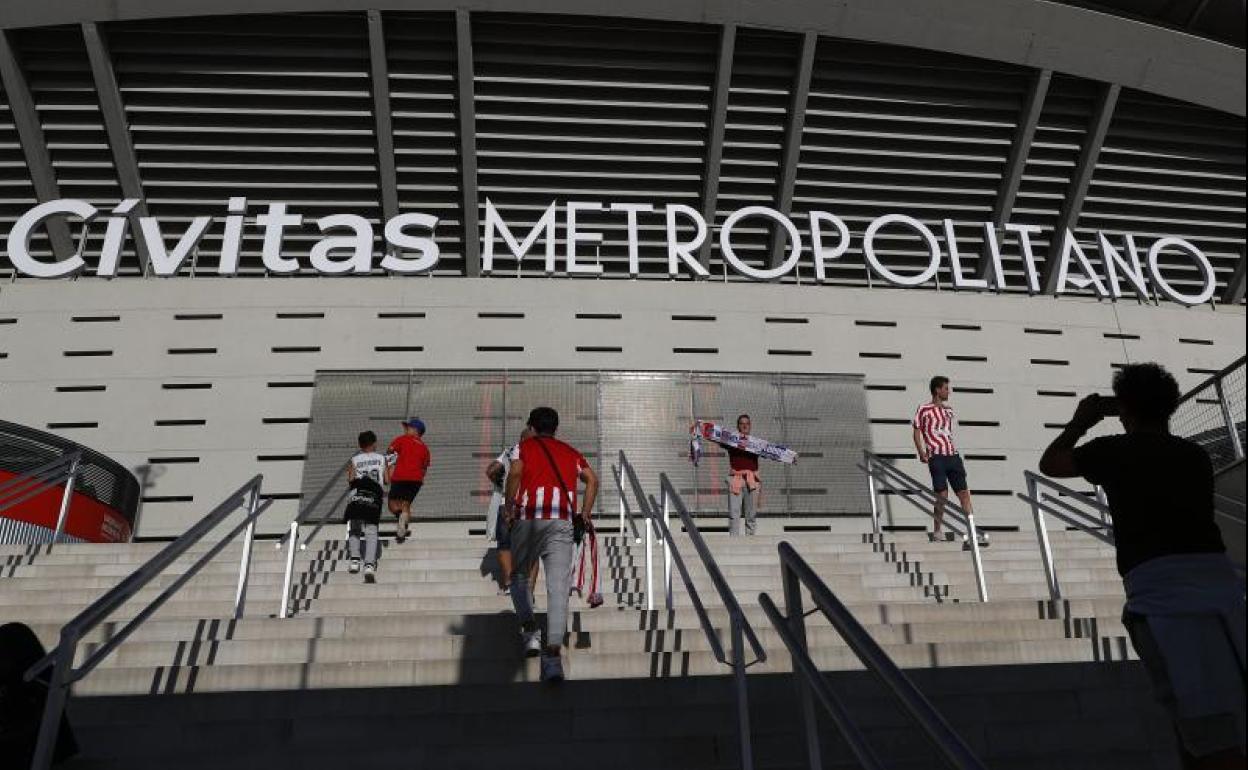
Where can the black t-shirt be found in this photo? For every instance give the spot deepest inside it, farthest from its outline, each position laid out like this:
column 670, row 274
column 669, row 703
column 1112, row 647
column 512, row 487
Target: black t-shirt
column 364, row 502
column 1160, row 490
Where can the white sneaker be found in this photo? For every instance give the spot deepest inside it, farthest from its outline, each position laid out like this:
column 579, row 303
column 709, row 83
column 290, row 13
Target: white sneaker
column 532, row 643
column 354, row 567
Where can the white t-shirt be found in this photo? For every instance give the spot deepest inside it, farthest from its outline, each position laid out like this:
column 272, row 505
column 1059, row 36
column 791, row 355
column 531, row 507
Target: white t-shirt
column 505, row 460
column 370, row 465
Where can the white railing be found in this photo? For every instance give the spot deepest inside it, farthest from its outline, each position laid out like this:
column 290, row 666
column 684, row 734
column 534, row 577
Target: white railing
column 54, row 473
column 1048, row 497
column 955, row 519
column 61, row 659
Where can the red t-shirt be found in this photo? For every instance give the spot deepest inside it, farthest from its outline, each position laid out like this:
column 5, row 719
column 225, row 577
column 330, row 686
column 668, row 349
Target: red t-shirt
column 540, row 495
column 411, row 458
column 741, row 460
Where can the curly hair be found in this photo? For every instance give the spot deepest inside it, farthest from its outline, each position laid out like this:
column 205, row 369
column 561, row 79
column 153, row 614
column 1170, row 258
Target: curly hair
column 1147, row 391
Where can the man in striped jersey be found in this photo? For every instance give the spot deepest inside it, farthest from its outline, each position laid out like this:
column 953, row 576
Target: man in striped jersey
column 541, row 501
column 933, row 423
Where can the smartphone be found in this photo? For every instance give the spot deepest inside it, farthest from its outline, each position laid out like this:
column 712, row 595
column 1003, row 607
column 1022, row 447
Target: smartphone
column 1109, row 406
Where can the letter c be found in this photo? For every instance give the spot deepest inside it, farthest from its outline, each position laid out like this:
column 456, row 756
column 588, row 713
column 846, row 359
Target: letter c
column 19, row 238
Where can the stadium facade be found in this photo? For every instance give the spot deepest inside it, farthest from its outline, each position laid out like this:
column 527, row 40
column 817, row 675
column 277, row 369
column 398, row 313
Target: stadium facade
column 238, row 232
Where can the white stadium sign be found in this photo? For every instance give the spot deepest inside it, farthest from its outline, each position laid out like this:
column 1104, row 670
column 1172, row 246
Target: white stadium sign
column 348, row 246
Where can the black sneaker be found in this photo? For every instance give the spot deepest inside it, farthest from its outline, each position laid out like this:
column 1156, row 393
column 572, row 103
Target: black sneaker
column 552, row 669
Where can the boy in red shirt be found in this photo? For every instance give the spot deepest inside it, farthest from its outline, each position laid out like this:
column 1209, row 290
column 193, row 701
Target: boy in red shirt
column 409, row 460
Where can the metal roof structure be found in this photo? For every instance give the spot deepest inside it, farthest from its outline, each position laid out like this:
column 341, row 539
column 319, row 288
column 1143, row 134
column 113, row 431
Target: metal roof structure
column 335, row 108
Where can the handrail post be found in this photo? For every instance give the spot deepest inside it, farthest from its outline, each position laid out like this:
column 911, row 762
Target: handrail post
column 290, row 568
column 875, row 505
column 649, row 562
column 66, row 498
column 973, row 536
column 796, row 621
column 742, row 692
column 619, row 488
column 1042, row 534
column 244, row 567
column 54, row 706
column 667, row 549
column 1236, row 446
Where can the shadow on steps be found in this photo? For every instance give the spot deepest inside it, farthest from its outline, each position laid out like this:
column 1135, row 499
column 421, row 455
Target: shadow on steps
column 1077, row 716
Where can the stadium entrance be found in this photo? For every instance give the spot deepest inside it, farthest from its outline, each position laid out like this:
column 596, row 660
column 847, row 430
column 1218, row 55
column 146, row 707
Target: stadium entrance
column 475, row 414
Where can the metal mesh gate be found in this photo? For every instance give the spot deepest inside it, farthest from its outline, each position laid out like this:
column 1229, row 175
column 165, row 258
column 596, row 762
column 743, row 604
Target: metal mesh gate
column 474, row 415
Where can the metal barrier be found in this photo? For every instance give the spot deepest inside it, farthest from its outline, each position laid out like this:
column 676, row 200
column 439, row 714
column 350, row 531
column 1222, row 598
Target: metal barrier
column 62, row 470
column 956, row 520
column 61, row 659
column 739, row 626
column 1095, row 522
column 1212, row 415
column 292, row 534
column 626, row 513
column 791, row 627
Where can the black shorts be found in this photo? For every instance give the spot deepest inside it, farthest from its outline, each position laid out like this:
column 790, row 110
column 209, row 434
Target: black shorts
column 947, row 471
column 405, row 491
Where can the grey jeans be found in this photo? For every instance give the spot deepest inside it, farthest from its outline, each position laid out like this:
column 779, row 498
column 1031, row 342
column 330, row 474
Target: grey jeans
column 551, row 541
column 741, row 506
column 355, row 528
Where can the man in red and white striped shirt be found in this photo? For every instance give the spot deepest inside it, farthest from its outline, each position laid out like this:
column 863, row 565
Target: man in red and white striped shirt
column 541, row 501
column 933, row 423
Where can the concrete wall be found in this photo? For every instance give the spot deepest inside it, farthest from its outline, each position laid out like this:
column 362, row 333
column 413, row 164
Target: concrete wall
column 39, row 338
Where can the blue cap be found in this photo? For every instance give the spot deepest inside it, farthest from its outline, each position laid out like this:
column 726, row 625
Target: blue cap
column 415, row 423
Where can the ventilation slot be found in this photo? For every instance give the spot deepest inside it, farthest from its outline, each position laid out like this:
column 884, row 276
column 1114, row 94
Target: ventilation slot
column 1041, row 331
column 95, row 319
column 1192, row 341
column 1116, row 336
column 898, row 388
column 696, row 318
column 71, row 425
column 168, row 499
column 500, row 316
column 771, row 320
column 86, row 353
column 297, row 349
column 398, row 349
column 178, row 423
column 192, row 351
column 971, row 359
column 280, row 458
column 286, row 420
column 291, row 384
column 598, row 349
column 695, row 350
column 881, row 324
column 779, row 352
column 1056, row 393
column 300, row 316
column 500, row 348
column 172, row 460
column 599, row 316
column 80, row 388
column 962, row 327
column 400, row 315
column 880, row 355
column 186, row 385
column 198, row 316
column 1049, row 362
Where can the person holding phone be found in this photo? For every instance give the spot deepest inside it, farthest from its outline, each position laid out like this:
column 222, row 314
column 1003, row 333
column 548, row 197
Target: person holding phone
column 547, row 520
column 1185, row 604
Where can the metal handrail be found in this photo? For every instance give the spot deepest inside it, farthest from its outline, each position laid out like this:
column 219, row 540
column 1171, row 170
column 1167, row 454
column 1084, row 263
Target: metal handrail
column 740, row 627
column 626, row 514
column 626, row 469
column 791, row 627
column 1097, row 525
column 61, row 658
column 292, row 534
column 1228, row 419
column 46, row 477
column 875, row 468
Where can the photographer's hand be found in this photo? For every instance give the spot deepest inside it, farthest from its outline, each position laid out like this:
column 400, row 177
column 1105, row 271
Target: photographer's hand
column 1058, row 460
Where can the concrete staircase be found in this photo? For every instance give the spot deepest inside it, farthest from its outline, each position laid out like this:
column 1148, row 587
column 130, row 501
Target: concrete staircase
column 423, row 669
